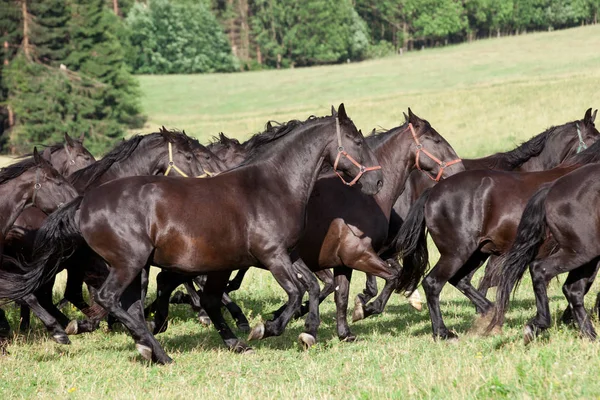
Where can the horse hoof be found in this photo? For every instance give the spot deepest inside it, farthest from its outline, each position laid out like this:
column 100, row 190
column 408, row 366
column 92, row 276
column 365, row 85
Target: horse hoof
column 359, row 311
column 349, row 339
column 244, row 327
column 61, row 338
column 257, row 333
column 528, row 335
column 72, row 328
column 242, row 348
column 306, row 340
column 204, row 321
column 144, row 350
column 414, row 299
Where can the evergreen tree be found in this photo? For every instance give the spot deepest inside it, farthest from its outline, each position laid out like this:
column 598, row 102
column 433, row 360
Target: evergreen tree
column 97, row 53
column 50, row 30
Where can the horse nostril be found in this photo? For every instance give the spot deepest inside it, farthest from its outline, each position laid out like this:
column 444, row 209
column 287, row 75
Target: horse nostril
column 379, row 184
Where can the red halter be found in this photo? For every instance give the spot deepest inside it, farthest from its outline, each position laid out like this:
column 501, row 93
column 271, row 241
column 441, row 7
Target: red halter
column 443, row 165
column 342, row 153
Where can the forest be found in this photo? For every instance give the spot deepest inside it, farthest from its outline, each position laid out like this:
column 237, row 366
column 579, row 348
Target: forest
column 68, row 65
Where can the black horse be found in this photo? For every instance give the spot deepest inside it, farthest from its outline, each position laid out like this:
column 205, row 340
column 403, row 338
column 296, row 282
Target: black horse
column 543, row 151
column 134, row 222
column 565, row 214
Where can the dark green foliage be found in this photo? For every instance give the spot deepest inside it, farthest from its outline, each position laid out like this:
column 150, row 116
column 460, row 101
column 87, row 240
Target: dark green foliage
column 309, row 32
column 178, row 37
column 50, row 30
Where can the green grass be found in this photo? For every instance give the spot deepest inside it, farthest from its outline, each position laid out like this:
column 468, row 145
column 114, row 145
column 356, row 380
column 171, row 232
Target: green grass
column 483, row 97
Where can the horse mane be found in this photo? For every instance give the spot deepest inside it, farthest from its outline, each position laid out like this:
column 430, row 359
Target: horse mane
column 587, row 156
column 15, row 170
column 378, row 137
column 223, row 139
column 513, row 159
column 256, row 143
column 124, row 149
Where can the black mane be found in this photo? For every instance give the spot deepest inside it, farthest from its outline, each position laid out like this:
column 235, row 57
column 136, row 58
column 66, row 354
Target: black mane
column 377, row 138
column 255, row 144
column 15, row 170
column 124, row 149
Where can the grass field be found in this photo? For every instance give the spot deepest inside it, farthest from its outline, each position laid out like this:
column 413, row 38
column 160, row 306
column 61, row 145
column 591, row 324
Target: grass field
column 483, row 97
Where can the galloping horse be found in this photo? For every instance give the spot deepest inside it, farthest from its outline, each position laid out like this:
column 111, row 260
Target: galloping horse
column 543, row 151
column 469, row 217
column 30, row 182
column 134, row 222
column 566, row 211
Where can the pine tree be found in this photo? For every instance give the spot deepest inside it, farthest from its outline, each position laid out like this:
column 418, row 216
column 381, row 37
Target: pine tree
column 96, row 52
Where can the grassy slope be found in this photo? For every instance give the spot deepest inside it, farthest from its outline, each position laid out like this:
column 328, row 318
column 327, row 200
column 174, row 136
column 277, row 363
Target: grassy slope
column 483, row 97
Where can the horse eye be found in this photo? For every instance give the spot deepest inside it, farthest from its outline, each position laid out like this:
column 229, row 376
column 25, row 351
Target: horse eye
column 188, row 157
column 207, row 157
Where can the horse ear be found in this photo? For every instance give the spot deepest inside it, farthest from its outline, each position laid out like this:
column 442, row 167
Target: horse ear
column 594, row 116
column 69, row 140
column 269, row 126
column 373, row 131
column 405, row 116
column 412, row 118
column 81, row 137
column 342, row 112
column 162, row 129
column 333, row 112
column 47, row 154
column 36, row 156
column 588, row 116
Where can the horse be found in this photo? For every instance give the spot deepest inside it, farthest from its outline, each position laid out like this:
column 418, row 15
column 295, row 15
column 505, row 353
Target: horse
column 137, row 221
column 156, row 153
column 67, row 158
column 345, row 228
column 470, row 216
column 544, row 151
column 566, row 212
column 30, row 182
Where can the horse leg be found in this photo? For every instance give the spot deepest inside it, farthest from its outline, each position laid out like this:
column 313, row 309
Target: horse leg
column 462, row 281
column 236, row 282
column 56, row 330
column 5, row 330
column 236, row 313
column 25, row 318
column 195, row 296
column 343, row 275
column 542, row 271
column 326, row 276
column 585, row 285
column 491, row 275
column 574, row 289
column 211, row 299
column 166, row 282
column 74, row 288
column 126, row 272
column 370, row 290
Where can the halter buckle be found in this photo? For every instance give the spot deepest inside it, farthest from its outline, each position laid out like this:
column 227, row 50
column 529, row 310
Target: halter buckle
column 37, row 186
column 171, row 163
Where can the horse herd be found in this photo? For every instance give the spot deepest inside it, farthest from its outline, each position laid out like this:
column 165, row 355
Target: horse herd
column 304, row 199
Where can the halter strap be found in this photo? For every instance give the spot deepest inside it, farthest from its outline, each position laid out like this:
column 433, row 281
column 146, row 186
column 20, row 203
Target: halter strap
column 36, row 186
column 69, row 156
column 176, row 168
column 582, row 146
column 442, row 164
column 342, row 153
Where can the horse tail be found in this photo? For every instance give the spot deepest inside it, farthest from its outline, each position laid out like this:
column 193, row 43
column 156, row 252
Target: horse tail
column 55, row 241
column 531, row 234
column 410, row 244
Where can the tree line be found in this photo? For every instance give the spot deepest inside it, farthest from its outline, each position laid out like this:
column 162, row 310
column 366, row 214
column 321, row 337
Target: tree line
column 67, row 64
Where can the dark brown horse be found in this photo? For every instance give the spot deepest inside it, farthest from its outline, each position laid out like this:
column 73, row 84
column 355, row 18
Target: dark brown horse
column 157, row 153
column 30, row 182
column 543, row 151
column 567, row 211
column 67, row 158
column 212, row 226
column 469, row 217
column 346, row 228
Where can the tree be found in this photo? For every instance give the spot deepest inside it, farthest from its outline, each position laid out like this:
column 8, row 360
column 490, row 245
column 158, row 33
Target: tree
column 184, row 37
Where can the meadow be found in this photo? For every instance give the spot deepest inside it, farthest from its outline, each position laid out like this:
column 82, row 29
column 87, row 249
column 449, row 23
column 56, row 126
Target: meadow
column 483, row 97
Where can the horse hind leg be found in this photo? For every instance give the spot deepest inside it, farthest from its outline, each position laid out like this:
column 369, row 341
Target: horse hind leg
column 575, row 288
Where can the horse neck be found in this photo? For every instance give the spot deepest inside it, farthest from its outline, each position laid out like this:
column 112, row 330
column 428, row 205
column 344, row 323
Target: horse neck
column 294, row 161
column 397, row 159
column 14, row 195
column 552, row 154
column 142, row 161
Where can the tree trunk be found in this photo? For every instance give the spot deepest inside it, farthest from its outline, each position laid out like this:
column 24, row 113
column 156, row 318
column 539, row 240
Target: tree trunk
column 116, row 7
column 25, row 29
column 405, row 36
column 5, row 52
